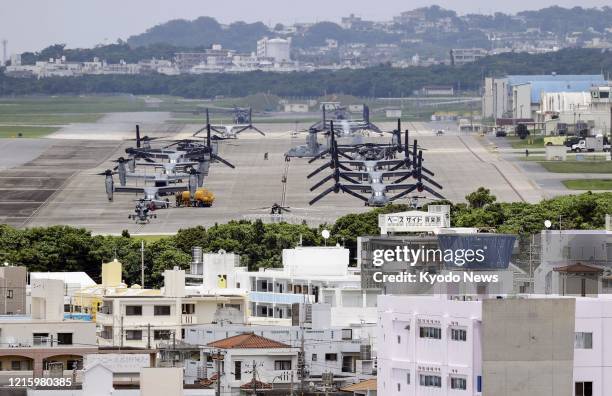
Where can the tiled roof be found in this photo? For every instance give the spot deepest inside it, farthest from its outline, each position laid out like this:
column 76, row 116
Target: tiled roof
column 579, row 268
column 361, row 386
column 258, row 385
column 247, row 341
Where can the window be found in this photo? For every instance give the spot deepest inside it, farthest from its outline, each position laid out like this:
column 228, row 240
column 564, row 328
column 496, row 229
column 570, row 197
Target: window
column 331, row 357
column 133, row 310
column 408, row 378
column 314, row 357
column 458, row 335
column 282, row 365
column 583, row 340
column 107, row 332
column 399, row 339
column 64, row 338
column 188, row 309
column 399, row 387
column 161, row 334
column 161, row 310
column 434, row 381
column 458, row 383
column 430, row 332
column 133, row 335
column 15, row 365
column 40, row 338
column 9, row 293
column 237, row 370
column 584, row 389
column 347, row 334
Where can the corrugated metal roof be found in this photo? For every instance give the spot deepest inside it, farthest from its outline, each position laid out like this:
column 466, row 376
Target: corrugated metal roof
column 557, row 83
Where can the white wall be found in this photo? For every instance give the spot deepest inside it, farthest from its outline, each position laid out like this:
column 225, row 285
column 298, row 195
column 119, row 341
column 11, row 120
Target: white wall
column 316, row 261
column 402, row 316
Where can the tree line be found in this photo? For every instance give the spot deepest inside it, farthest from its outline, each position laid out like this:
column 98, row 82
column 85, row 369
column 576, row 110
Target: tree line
column 63, row 248
column 379, row 81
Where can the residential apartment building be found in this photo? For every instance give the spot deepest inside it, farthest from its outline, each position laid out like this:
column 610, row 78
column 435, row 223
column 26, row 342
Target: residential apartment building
column 145, row 318
column 440, row 345
column 13, row 295
column 344, row 352
column 251, row 363
column 277, row 49
column 562, row 250
column 310, row 275
column 30, row 345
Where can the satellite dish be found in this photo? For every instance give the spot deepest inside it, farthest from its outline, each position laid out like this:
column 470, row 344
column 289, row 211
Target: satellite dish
column 325, row 234
column 547, row 223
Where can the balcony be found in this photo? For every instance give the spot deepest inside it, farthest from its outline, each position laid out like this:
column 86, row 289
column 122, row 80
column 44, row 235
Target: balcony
column 279, row 376
column 280, row 298
column 32, row 342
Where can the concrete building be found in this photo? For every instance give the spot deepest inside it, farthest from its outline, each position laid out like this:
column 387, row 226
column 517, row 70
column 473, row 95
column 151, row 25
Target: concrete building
column 344, row 351
column 519, row 96
column 31, row 344
column 309, row 275
column 13, row 294
column 536, row 345
column 296, row 108
column 566, row 252
column 104, row 379
column 145, row 318
column 277, row 49
column 461, row 56
column 438, row 90
column 251, row 362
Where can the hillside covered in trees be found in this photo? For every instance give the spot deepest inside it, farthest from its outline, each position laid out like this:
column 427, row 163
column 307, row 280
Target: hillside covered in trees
column 242, row 36
column 62, row 248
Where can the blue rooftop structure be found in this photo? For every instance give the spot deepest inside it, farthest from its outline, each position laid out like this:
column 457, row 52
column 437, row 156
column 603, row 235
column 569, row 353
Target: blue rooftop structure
column 557, row 83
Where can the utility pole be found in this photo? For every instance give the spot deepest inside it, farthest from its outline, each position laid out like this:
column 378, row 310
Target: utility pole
column 254, row 378
column 301, row 360
column 218, row 366
column 142, row 264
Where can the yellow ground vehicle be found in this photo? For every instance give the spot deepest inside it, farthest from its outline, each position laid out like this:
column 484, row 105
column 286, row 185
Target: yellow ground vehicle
column 554, row 140
column 202, row 198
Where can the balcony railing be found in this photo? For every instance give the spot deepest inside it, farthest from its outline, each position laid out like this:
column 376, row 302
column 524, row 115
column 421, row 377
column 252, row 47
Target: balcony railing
column 31, row 342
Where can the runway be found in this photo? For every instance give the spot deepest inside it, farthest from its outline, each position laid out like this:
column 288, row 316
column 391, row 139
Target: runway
column 62, row 186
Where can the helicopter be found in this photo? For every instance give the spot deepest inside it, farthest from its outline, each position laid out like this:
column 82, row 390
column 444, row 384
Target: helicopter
column 341, row 116
column 142, row 212
column 231, row 131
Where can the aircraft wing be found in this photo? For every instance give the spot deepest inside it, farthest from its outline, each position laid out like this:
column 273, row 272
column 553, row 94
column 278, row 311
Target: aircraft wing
column 358, row 186
column 172, row 189
column 129, row 189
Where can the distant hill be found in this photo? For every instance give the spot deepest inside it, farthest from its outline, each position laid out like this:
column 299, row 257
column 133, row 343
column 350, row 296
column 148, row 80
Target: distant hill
column 203, row 32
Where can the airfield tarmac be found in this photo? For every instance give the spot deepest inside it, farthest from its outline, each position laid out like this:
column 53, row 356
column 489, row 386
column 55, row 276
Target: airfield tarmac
column 60, row 186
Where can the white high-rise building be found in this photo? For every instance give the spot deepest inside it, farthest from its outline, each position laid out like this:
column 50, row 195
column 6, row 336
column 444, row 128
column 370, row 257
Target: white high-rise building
column 277, row 48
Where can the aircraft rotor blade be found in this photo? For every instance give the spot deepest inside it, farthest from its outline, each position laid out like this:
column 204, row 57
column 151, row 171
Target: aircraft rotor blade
column 324, row 193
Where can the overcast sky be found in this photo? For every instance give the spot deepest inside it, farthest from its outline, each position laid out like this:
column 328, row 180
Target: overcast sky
column 34, row 24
